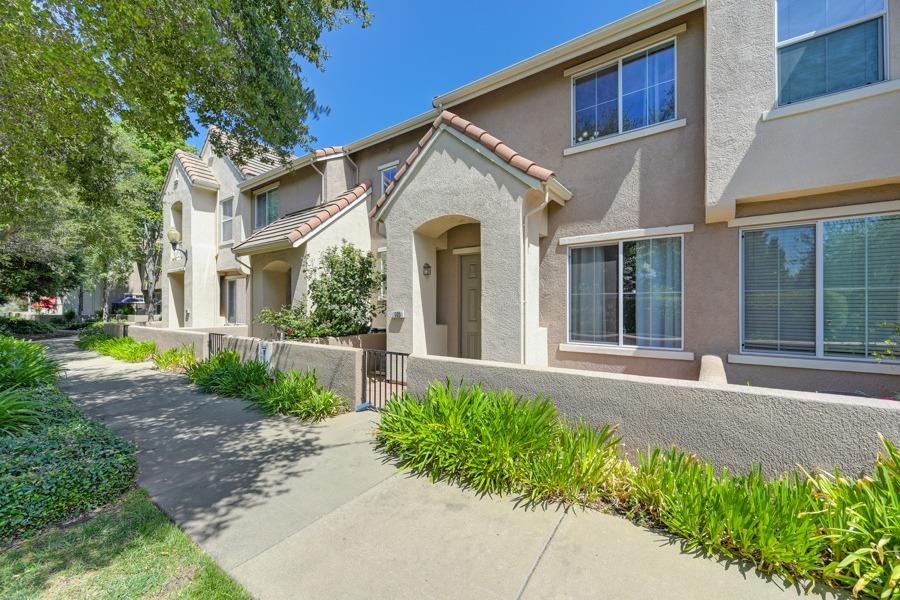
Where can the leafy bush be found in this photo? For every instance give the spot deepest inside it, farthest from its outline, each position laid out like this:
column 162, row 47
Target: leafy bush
column 64, row 466
column 496, row 442
column 799, row 526
column 25, row 364
column 224, row 374
column 297, row 394
column 343, row 290
column 19, row 326
column 123, row 348
column 176, row 360
column 18, row 411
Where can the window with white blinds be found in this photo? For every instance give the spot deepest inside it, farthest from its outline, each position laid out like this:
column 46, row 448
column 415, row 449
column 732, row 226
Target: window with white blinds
column 847, row 307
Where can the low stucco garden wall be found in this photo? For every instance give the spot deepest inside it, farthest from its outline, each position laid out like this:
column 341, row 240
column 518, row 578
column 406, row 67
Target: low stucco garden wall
column 732, row 426
column 337, row 367
column 172, row 338
column 372, row 341
column 115, row 330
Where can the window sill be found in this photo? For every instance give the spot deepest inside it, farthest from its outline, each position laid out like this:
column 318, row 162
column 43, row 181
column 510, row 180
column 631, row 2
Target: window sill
column 845, row 97
column 627, row 351
column 626, row 137
column 821, row 364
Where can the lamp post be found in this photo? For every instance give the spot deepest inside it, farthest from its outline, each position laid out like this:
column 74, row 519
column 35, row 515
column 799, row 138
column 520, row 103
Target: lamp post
column 175, row 239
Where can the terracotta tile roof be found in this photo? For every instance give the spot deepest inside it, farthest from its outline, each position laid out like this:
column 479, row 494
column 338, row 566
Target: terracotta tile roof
column 291, row 228
column 329, row 151
column 476, row 133
column 197, row 170
column 255, row 165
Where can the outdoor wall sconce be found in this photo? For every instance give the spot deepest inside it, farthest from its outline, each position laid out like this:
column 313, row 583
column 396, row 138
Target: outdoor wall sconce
column 426, row 270
column 175, row 238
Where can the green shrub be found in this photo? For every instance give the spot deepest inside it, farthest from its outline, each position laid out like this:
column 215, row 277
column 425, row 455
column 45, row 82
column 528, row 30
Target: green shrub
column 25, row 327
column 224, row 374
column 861, row 520
column 18, row 411
column 175, row 360
column 496, row 442
column 64, row 466
column 25, row 364
column 802, row 527
column 123, row 348
column 297, row 394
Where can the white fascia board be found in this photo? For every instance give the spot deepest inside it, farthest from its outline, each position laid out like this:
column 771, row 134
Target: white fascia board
column 279, row 244
column 627, row 234
column 400, row 128
column 276, row 172
column 610, row 57
column 332, row 220
column 634, row 23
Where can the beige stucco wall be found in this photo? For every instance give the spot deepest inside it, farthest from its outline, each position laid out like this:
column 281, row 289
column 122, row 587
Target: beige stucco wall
column 854, row 144
column 732, row 425
column 450, row 184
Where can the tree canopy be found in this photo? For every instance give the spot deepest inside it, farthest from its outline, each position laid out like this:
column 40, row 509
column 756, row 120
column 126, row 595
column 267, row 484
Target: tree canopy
column 71, row 69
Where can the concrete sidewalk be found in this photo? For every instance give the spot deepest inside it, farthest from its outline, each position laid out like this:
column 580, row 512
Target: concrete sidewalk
column 300, row 511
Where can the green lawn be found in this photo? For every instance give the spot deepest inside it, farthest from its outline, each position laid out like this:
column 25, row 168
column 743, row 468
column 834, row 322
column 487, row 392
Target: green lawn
column 129, row 550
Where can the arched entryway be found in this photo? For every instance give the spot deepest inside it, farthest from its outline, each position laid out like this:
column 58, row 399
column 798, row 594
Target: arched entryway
column 448, row 255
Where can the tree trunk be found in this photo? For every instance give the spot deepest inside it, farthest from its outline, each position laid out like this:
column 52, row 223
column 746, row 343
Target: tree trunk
column 80, row 302
column 105, row 288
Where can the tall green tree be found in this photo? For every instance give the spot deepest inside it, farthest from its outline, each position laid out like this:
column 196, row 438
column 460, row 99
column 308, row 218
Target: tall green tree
column 70, row 68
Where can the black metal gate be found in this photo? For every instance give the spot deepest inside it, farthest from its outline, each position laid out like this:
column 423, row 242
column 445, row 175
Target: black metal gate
column 216, row 343
column 384, row 374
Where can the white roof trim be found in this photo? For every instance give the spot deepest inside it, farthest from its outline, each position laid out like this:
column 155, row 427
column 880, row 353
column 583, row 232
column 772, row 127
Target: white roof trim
column 632, row 24
column 393, row 131
column 610, row 57
column 555, row 187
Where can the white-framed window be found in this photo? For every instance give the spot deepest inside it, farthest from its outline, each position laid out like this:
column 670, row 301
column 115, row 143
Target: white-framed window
column 228, row 298
column 265, row 209
column 828, row 46
column 226, row 227
column 635, row 91
column 627, row 293
column 825, row 289
column 386, row 174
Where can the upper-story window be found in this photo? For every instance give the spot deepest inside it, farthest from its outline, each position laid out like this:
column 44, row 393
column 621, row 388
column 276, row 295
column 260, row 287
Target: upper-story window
column 227, row 222
column 636, row 91
column 266, row 208
column 827, row 46
column 386, row 174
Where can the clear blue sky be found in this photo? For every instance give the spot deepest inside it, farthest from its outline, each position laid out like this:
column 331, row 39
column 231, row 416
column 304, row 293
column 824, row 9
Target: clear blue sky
column 417, row 49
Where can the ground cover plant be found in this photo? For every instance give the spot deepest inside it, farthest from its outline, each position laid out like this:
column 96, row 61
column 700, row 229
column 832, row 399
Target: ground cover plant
column 24, row 327
column 58, row 466
column 25, row 364
column 175, row 360
column 801, row 526
column 298, row 394
column 123, row 348
column 128, row 550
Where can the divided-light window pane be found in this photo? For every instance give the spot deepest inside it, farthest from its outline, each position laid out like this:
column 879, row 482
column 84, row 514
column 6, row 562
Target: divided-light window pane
column 594, row 295
column 802, row 17
column 646, row 97
column 780, row 290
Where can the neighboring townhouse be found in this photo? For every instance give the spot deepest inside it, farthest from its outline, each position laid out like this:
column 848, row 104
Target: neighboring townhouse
column 697, row 178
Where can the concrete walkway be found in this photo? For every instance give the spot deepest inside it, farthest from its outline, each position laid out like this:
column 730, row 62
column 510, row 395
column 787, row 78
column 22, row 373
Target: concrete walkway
column 294, row 511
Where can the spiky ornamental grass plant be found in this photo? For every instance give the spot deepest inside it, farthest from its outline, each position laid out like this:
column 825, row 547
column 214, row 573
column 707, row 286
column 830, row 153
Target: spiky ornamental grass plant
column 297, row 394
column 175, row 360
column 25, row 364
column 19, row 411
column 799, row 526
column 224, row 374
